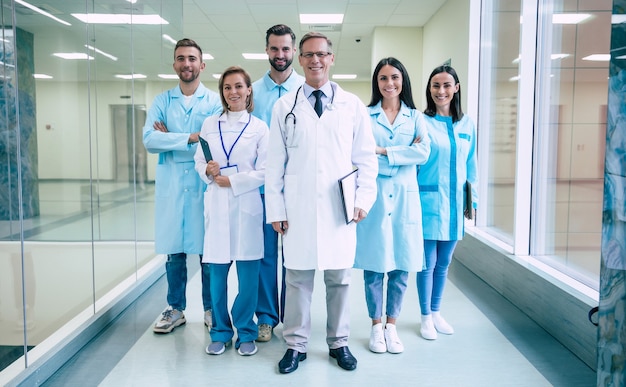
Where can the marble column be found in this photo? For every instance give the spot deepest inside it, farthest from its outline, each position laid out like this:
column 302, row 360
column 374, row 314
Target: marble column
column 18, row 131
column 612, row 308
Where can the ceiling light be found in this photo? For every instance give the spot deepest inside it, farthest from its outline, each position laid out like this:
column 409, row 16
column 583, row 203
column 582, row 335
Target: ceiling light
column 168, row 76
column 110, row 18
column 514, row 79
column 42, row 12
column 569, row 18
column 42, row 76
column 132, row 1
column 206, row 56
column 321, row 18
column 169, row 38
column 598, row 57
column 73, row 55
column 621, row 57
column 114, row 58
column 6, row 64
column 130, row 76
column 344, row 76
column 216, row 76
column 253, row 56
column 558, row 56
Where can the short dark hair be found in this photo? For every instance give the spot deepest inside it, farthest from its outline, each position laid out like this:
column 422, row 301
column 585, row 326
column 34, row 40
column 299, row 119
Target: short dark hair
column 313, row 34
column 406, row 95
column 279, row 30
column 246, row 77
column 187, row 43
column 455, row 105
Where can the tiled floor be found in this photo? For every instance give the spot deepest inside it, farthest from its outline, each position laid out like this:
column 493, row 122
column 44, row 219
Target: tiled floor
column 494, row 345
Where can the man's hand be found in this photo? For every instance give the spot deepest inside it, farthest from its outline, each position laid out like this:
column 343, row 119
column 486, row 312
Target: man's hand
column 193, row 137
column 359, row 215
column 280, row 227
column 160, row 126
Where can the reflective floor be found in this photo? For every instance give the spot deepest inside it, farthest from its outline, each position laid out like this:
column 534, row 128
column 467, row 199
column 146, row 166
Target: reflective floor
column 494, row 345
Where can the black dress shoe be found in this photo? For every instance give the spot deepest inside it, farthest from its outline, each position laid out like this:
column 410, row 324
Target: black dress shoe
column 289, row 362
column 344, row 358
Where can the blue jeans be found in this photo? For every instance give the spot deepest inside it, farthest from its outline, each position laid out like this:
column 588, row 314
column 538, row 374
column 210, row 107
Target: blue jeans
column 176, row 273
column 396, row 286
column 243, row 306
column 267, row 310
column 432, row 280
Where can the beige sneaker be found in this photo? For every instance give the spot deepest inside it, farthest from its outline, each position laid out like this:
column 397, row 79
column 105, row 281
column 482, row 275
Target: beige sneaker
column 170, row 319
column 208, row 319
column 265, row 332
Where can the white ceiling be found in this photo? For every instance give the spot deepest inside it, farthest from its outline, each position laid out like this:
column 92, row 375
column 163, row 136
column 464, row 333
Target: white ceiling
column 223, row 28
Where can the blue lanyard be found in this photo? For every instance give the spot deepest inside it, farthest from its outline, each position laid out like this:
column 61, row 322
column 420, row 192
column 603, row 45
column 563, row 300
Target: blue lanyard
column 219, row 127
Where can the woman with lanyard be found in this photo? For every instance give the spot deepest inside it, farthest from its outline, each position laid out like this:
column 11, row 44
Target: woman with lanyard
column 233, row 166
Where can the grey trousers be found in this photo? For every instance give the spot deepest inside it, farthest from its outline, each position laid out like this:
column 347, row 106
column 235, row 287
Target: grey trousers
column 297, row 321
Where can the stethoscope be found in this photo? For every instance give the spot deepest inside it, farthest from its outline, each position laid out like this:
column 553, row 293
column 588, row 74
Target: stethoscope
column 290, row 118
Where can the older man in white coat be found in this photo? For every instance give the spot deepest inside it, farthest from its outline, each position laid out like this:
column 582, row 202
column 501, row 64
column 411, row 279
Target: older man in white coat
column 317, row 135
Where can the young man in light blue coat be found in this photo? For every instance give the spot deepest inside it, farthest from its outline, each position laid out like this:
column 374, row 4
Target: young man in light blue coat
column 280, row 46
column 172, row 129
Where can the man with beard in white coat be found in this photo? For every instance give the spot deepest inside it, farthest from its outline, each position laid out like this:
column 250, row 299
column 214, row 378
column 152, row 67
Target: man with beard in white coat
column 318, row 134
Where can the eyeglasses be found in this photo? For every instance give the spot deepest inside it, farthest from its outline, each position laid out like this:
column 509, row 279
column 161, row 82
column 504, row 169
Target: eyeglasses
column 319, row 54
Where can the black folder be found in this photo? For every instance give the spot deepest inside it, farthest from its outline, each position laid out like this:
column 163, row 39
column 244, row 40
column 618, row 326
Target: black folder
column 205, row 149
column 468, row 209
column 347, row 188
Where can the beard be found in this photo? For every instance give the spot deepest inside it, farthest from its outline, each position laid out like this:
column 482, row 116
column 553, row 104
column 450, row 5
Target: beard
column 281, row 67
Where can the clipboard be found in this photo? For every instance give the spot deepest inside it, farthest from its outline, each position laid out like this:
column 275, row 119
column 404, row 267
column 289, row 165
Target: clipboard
column 469, row 203
column 347, row 189
column 205, row 149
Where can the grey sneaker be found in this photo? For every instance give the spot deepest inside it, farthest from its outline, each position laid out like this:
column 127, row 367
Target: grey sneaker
column 217, row 347
column 265, row 332
column 208, row 319
column 247, row 348
column 170, row 319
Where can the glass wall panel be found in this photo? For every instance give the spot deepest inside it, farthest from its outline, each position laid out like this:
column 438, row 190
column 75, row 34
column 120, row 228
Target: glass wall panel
column 76, row 193
column 570, row 137
column 498, row 112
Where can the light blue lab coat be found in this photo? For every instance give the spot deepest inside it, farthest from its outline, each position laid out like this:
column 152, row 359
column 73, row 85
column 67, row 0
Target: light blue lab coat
column 442, row 179
column 390, row 237
column 179, row 192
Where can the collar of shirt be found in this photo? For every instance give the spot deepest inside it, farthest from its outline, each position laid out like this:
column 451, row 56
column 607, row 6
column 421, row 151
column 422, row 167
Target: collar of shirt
column 326, row 88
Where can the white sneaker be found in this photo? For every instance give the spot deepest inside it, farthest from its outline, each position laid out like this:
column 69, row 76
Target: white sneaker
column 427, row 330
column 442, row 325
column 377, row 339
column 208, row 319
column 170, row 319
column 394, row 345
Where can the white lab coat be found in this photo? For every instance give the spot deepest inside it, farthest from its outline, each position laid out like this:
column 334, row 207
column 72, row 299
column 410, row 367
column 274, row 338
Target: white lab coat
column 302, row 172
column 233, row 216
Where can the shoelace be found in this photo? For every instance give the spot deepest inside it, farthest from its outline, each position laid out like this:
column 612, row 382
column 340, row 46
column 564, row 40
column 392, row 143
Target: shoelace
column 167, row 315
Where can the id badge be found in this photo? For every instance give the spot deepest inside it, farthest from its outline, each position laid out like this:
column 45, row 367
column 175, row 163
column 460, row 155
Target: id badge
column 230, row 170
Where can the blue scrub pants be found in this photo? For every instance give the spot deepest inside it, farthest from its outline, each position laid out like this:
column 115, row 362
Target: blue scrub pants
column 267, row 311
column 243, row 306
column 176, row 272
column 432, row 280
column 396, row 287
